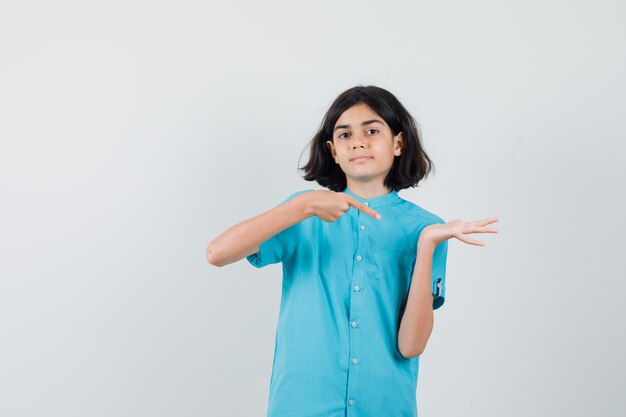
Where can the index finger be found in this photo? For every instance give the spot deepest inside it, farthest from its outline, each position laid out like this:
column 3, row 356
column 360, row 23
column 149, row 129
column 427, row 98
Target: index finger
column 362, row 207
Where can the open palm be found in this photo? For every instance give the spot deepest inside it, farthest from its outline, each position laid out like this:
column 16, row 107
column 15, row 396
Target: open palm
column 437, row 233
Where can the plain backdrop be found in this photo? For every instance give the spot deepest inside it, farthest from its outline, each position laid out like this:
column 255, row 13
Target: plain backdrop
column 135, row 132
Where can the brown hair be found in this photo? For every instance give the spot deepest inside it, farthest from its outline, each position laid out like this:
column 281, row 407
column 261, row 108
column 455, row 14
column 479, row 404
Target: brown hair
column 407, row 170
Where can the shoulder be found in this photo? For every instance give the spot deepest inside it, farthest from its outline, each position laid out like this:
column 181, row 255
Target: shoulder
column 415, row 212
column 297, row 193
column 294, row 195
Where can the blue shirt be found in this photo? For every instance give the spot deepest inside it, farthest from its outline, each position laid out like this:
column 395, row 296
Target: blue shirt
column 344, row 289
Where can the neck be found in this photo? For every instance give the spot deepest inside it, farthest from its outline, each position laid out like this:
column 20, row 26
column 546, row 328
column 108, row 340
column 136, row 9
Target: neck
column 367, row 191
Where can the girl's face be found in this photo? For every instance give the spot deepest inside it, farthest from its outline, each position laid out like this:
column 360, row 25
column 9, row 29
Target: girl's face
column 363, row 145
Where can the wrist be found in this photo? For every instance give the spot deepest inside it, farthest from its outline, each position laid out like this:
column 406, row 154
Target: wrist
column 305, row 205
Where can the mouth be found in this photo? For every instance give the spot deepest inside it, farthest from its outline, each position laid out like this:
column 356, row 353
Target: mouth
column 361, row 159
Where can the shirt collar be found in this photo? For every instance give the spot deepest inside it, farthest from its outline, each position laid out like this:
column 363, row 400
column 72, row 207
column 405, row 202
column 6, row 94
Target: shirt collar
column 380, row 201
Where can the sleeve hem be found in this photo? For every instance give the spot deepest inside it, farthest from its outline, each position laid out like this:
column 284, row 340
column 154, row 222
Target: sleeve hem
column 438, row 302
column 255, row 260
column 438, row 292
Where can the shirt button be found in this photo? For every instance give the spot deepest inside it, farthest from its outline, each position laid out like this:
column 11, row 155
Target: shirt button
column 355, row 324
column 362, row 227
column 354, row 361
column 439, row 285
column 350, row 402
column 359, row 257
column 366, row 203
column 357, row 288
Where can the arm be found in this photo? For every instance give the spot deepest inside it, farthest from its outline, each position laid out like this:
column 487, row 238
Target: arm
column 244, row 238
column 417, row 321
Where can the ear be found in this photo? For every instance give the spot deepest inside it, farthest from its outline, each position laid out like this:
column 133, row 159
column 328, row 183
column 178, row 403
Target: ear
column 331, row 147
column 398, row 144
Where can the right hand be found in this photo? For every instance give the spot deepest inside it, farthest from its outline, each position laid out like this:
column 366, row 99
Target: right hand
column 330, row 205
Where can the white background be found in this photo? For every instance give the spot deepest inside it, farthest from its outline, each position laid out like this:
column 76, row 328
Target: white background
column 135, row 132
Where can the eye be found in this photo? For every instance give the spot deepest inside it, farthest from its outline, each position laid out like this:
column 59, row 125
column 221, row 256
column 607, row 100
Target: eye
column 373, row 130
column 341, row 135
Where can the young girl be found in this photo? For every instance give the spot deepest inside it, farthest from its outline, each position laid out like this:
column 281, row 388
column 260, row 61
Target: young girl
column 363, row 269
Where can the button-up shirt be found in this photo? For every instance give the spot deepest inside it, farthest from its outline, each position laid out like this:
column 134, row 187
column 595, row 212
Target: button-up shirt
column 345, row 285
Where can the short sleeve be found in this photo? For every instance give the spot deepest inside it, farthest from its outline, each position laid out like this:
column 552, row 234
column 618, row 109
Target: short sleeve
column 278, row 247
column 439, row 274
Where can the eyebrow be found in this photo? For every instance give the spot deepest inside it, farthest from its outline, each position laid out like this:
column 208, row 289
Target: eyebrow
column 365, row 123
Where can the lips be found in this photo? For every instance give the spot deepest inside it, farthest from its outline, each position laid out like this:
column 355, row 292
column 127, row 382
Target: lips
column 360, row 158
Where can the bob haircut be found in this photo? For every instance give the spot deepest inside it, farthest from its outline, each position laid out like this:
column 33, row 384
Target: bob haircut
column 407, row 170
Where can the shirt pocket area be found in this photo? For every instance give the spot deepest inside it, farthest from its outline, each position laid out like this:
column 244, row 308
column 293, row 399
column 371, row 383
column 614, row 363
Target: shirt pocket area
column 399, row 259
column 397, row 267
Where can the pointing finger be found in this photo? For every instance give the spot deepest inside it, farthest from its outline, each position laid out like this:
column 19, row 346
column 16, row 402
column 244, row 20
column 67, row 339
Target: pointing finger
column 362, row 207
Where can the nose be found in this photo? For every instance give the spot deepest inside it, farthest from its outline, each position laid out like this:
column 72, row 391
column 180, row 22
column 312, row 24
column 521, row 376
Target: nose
column 358, row 141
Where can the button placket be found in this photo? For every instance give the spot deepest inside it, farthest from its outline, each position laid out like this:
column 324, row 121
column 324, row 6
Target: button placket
column 358, row 281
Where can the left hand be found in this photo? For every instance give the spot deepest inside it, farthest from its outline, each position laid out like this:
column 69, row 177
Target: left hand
column 434, row 234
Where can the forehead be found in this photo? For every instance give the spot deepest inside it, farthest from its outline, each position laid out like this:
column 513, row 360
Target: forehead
column 356, row 114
